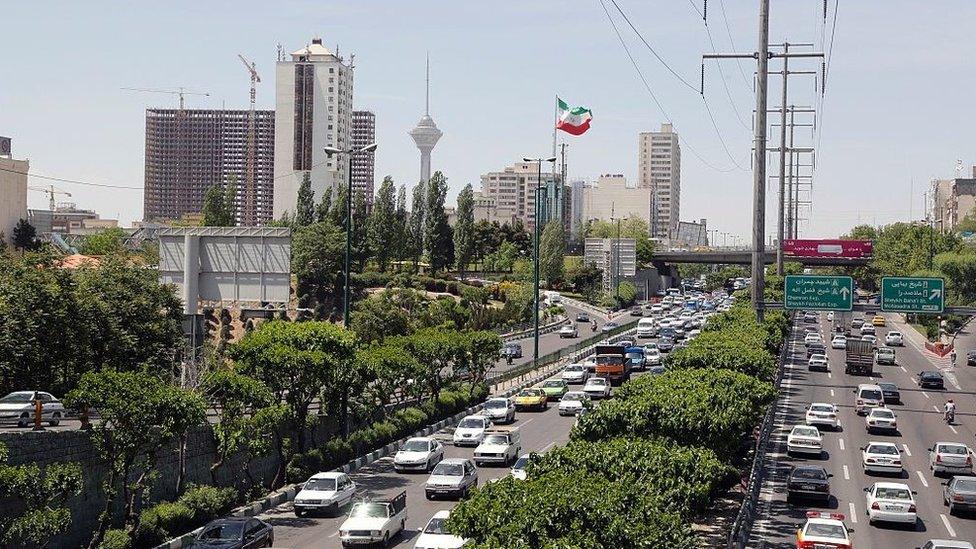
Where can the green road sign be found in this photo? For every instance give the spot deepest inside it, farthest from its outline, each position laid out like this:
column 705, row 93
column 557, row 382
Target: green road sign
column 912, row 294
column 819, row 292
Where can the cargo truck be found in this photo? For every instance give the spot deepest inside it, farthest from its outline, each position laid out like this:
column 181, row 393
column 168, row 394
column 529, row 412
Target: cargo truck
column 612, row 363
column 860, row 357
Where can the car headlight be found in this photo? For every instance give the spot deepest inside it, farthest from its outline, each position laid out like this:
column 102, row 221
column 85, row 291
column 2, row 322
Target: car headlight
column 374, row 532
column 344, row 533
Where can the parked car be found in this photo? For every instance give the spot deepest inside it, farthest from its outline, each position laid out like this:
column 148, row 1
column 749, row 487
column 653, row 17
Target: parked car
column 452, row 477
column 931, row 379
column 946, row 544
column 665, row 345
column 19, row 407
column 234, row 533
column 959, row 494
column 328, row 492
column 816, row 349
column 839, row 342
column 518, row 470
column 418, row 454
column 375, row 521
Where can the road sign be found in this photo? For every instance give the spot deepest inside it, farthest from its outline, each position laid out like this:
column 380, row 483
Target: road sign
column 851, row 249
column 819, row 292
column 912, row 294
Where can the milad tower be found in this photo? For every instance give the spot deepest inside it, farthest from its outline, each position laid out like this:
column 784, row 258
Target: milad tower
column 426, row 134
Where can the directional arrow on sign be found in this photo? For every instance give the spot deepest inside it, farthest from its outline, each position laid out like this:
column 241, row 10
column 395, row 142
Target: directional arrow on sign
column 844, row 291
column 935, row 294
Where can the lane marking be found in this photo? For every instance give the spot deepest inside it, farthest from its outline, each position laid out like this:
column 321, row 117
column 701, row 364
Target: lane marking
column 927, row 396
column 841, row 441
column 828, row 375
column 907, row 451
column 903, row 369
column 547, row 446
column 847, row 474
column 336, row 533
column 945, row 522
column 935, row 407
column 831, row 392
column 921, row 477
column 526, row 422
column 853, row 515
column 954, row 429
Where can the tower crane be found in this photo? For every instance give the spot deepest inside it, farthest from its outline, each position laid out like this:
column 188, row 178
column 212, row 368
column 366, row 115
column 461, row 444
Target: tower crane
column 181, row 91
column 51, row 191
column 250, row 215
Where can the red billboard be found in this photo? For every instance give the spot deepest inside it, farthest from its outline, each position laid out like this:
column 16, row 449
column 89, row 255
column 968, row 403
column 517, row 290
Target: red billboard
column 854, row 249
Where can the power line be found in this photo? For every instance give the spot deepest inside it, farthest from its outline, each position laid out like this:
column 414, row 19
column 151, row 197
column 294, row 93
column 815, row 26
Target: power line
column 659, row 58
column 72, row 181
column 694, row 7
column 823, row 83
column 728, row 93
column 728, row 29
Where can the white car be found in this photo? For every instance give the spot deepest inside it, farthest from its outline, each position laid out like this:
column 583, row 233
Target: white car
column 518, row 470
column 894, row 339
column 597, row 387
column 812, row 337
column 804, row 439
column 499, row 410
column 881, row 457
column 18, row 407
column 575, row 373
column 501, row 445
column 590, row 364
column 880, row 419
column 471, row 430
column 823, row 414
column 656, row 309
column 452, row 477
column 830, row 316
column 418, row 454
column 870, row 338
column 839, row 342
column 824, row 531
column 572, row 402
column 818, row 362
column 324, row 492
column 645, row 328
column 568, row 330
column 436, row 536
column 890, row 502
column 652, row 357
column 951, row 457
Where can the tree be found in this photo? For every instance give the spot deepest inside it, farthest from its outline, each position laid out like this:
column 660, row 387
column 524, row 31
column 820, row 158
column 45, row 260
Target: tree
column 967, row 224
column 25, row 236
column 305, row 207
column 338, row 212
column 215, row 211
column 389, row 313
column 138, row 415
column 323, row 210
column 415, row 234
column 438, row 243
column 360, row 231
column 552, row 250
column 483, row 347
column 317, row 259
column 237, row 399
column 437, row 350
column 391, row 368
column 230, row 201
column 464, row 229
column 105, row 242
column 401, row 238
column 383, row 226
column 586, row 279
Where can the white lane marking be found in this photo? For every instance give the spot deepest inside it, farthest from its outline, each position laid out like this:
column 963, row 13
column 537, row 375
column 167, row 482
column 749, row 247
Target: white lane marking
column 921, row 477
column 927, row 396
column 831, row 392
column 954, row 429
column 546, row 447
column 853, row 515
column 526, row 422
column 945, row 521
column 903, row 369
column 336, row 533
column 907, row 451
column 936, row 407
column 841, row 442
column 847, row 473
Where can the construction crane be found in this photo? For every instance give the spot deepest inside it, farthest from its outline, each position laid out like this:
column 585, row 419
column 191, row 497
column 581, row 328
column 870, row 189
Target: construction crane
column 250, row 215
column 51, row 191
column 179, row 91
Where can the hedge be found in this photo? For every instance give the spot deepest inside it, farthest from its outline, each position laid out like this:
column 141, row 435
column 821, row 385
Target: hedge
column 725, row 350
column 196, row 507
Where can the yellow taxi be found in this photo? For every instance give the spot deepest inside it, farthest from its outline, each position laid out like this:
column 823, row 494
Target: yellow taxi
column 878, row 320
column 533, row 397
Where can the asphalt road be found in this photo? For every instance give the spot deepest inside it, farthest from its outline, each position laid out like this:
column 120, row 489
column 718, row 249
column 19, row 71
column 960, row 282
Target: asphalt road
column 920, row 425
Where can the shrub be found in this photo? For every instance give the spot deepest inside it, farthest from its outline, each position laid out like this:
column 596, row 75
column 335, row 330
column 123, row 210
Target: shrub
column 162, row 521
column 115, row 538
column 208, row 502
column 726, row 350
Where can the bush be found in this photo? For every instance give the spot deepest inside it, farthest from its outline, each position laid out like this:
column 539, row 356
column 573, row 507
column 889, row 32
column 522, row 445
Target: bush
column 115, row 538
column 162, row 521
column 726, row 350
column 208, row 502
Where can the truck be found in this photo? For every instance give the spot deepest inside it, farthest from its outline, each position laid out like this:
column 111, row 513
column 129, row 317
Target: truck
column 377, row 521
column 860, row 357
column 635, row 356
column 612, row 363
column 842, row 322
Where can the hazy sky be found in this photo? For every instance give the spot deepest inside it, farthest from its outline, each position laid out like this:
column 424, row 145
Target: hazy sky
column 898, row 105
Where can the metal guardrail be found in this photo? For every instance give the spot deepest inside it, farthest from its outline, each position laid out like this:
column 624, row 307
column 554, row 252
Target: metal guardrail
column 742, row 527
column 522, row 334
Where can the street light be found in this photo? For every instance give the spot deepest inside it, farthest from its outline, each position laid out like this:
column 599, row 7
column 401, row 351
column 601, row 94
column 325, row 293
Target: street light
column 351, row 152
column 535, row 253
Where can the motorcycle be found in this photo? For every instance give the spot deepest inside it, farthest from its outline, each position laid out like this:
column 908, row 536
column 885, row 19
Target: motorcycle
column 949, row 416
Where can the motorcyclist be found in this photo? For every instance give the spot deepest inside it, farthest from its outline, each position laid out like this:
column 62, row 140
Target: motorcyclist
column 593, row 325
column 950, row 411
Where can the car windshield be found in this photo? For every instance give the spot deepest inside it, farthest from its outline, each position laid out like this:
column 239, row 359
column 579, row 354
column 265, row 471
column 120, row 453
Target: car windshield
column 529, row 393
column 574, row 396
column 931, row 375
column 471, row 423
column 436, row 526
column 496, row 439
column 882, row 413
column 574, row 368
column 964, row 486
column 882, row 449
column 228, row 531
column 496, row 404
column 805, row 431
column 369, row 510
column 819, row 358
column 635, row 355
column 17, row 398
column 810, row 474
column 820, row 529
column 871, row 394
column 894, row 334
column 888, row 386
column 954, row 449
column 555, row 384
column 821, row 408
column 416, row 446
column 521, row 463
column 448, row 469
column 321, row 484
column 892, row 493
column 597, row 381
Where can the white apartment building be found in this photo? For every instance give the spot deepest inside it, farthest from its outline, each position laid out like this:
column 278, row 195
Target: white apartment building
column 313, row 110
column 659, row 168
column 611, row 198
column 13, row 191
column 514, row 189
column 616, row 258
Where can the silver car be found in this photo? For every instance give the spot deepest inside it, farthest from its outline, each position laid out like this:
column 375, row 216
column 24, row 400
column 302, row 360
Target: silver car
column 953, row 458
column 452, row 477
column 19, row 407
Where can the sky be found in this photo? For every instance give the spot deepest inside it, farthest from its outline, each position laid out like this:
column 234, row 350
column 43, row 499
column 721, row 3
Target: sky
column 897, row 110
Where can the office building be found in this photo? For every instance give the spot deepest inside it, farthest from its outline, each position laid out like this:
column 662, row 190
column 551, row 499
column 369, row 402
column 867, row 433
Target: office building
column 952, row 201
column 68, row 218
column 616, row 258
column 190, row 150
column 576, row 217
column 363, row 164
column 514, row 188
column 13, row 190
column 612, row 198
column 659, row 169
column 313, row 110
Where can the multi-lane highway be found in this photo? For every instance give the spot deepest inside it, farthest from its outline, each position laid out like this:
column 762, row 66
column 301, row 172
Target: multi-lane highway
column 920, row 425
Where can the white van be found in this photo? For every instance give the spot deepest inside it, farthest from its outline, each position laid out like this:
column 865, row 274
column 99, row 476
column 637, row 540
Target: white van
column 645, row 328
column 867, row 396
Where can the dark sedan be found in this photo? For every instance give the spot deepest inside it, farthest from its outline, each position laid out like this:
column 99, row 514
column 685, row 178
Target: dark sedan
column 582, row 317
column 808, row 481
column 960, row 494
column 890, row 391
column 971, row 358
column 816, row 349
column 930, row 380
column 665, row 344
column 235, row 533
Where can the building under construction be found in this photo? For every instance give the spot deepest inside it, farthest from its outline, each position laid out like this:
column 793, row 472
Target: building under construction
column 188, row 151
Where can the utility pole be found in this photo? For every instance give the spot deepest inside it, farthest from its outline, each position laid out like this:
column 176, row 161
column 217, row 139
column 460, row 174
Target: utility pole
column 782, row 160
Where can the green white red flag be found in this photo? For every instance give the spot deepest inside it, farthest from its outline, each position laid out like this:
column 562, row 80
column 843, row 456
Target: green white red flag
column 572, row 120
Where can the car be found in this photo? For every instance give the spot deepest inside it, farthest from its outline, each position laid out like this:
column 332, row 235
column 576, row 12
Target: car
column 804, row 439
column 609, row 326
column 19, row 407
column 959, row 494
column 818, row 362
column 652, row 357
column 471, row 430
column 418, row 454
column 531, row 398
column 931, row 379
column 575, row 373
column 894, row 339
column 500, row 445
column 823, row 531
column 572, row 402
column 452, row 477
column 839, row 342
column 324, row 492
column 816, row 349
column 436, row 536
column 518, row 469
column 946, row 544
column 234, row 533
column 867, row 396
column 808, row 481
column 890, row 392
column 665, row 344
column 375, row 521
column 810, row 317
column 881, row 419
column 890, row 502
column 511, row 350
column 812, row 337
column 870, row 338
column 868, row 329
column 878, row 320
column 499, row 410
column 554, row 388
column 953, row 458
column 625, row 343
column 636, row 310
column 881, row 457
column 597, row 387
column 971, row 358
column 884, row 355
column 569, row 331
column 646, row 327
column 857, row 323
column 656, row 309
column 822, row 414
column 830, row 316
column 582, row 317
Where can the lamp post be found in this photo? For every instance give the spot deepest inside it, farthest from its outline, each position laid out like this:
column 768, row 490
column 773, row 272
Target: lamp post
column 345, row 290
column 535, row 255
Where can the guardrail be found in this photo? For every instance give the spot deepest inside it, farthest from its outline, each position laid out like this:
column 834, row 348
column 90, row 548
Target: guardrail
column 585, row 306
column 521, row 334
column 742, row 527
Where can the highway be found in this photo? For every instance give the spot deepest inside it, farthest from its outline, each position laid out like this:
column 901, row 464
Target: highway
column 920, row 425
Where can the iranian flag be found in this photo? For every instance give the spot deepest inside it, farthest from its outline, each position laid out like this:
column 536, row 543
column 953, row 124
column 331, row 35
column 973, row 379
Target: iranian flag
column 572, row 120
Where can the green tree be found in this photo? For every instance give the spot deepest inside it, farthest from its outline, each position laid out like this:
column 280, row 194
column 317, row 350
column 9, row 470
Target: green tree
column 967, row 224
column 437, row 233
column 415, row 236
column 391, row 369
column 237, row 399
column 106, row 242
column 230, row 201
column 483, row 347
column 25, row 236
column 402, row 238
column 215, row 212
column 464, row 229
column 552, row 250
column 324, row 207
column 437, row 350
column 383, row 226
column 389, row 313
column 317, row 259
column 338, row 212
column 305, row 207
column 360, row 232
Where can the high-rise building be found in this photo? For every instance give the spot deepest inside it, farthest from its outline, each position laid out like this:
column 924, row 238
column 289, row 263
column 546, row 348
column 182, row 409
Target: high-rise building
column 615, row 257
column 659, row 168
column 514, row 188
column 363, row 164
column 426, row 134
column 611, row 198
column 576, row 208
column 313, row 110
column 13, row 190
column 190, row 150
column 952, row 201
